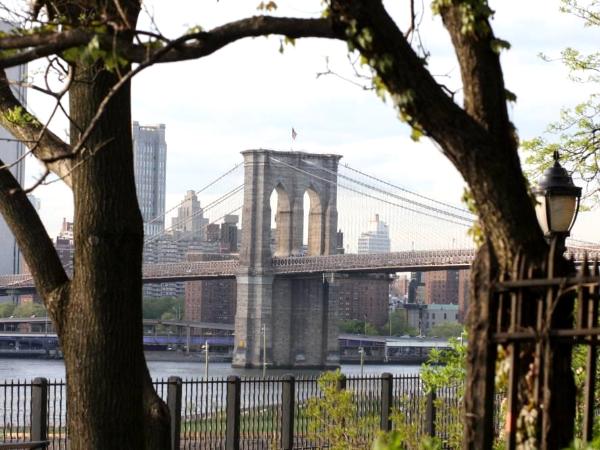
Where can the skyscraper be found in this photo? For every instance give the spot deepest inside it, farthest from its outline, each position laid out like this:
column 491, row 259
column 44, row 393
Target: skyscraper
column 10, row 151
column 190, row 222
column 376, row 239
column 150, row 164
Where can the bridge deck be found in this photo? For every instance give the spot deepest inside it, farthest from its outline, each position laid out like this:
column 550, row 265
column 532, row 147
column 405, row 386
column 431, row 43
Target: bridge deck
column 295, row 265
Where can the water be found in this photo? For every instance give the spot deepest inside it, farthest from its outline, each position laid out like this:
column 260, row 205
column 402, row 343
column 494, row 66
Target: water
column 27, row 369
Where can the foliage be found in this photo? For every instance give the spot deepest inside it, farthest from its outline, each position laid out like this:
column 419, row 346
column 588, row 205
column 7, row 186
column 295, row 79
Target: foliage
column 406, row 439
column 575, row 133
column 335, row 417
column 579, row 445
column 579, row 371
column 19, row 116
column 93, row 52
column 6, row 309
column 355, row 326
column 475, row 231
column 30, row 309
column 446, row 330
column 399, row 323
column 446, row 367
column 167, row 308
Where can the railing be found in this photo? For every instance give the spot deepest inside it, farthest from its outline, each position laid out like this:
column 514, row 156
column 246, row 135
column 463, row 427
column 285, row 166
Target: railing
column 375, row 261
column 299, row 264
column 34, row 411
column 242, row 414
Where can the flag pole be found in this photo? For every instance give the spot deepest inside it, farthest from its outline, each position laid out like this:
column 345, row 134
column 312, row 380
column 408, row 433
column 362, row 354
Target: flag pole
column 294, row 135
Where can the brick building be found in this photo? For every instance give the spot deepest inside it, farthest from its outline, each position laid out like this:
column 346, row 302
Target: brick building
column 464, row 283
column 210, row 300
column 441, row 287
column 360, row 297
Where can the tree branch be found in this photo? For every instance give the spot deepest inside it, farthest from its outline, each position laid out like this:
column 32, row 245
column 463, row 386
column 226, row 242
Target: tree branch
column 204, row 43
column 477, row 51
column 217, row 38
column 25, row 224
column 47, row 146
column 41, row 45
column 478, row 150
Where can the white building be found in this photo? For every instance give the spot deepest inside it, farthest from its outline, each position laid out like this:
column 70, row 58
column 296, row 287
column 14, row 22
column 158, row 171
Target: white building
column 10, row 151
column 150, row 164
column 376, row 239
column 424, row 317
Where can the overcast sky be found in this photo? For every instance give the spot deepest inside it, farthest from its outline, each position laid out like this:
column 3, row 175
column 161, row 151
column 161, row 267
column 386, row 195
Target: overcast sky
column 249, row 96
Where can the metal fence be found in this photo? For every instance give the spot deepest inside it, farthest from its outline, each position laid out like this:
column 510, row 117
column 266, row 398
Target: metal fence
column 245, row 414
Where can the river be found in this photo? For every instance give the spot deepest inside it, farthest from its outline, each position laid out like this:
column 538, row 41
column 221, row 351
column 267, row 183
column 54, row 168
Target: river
column 27, row 369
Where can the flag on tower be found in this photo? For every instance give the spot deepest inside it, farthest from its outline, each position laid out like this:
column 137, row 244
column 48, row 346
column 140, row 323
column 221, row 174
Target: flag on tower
column 294, row 134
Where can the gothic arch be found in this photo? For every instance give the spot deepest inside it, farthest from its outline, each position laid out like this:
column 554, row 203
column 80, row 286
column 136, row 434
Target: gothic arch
column 316, row 223
column 283, row 221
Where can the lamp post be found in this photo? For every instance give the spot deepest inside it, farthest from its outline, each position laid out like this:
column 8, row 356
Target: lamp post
column 558, row 203
column 206, row 360
column 264, row 339
column 361, row 352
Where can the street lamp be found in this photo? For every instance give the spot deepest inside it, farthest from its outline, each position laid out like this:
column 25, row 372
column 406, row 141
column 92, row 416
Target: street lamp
column 558, row 203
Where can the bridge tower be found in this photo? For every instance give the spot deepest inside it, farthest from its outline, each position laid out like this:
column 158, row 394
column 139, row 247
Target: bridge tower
column 293, row 312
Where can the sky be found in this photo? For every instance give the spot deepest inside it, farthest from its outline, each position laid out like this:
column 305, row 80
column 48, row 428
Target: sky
column 249, row 95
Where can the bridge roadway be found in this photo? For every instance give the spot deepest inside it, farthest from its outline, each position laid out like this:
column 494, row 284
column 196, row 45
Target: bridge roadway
column 405, row 261
column 42, row 321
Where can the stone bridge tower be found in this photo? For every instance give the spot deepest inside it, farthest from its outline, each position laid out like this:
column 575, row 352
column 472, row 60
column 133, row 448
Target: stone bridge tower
column 294, row 311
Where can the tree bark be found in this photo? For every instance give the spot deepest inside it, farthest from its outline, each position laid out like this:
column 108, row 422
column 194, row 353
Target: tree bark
column 481, row 357
column 102, row 340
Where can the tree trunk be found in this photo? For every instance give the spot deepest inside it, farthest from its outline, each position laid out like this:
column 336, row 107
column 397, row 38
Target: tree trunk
column 479, row 140
column 107, row 379
column 481, row 356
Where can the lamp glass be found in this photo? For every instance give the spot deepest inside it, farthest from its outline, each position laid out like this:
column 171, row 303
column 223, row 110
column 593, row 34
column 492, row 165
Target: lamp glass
column 540, row 211
column 561, row 211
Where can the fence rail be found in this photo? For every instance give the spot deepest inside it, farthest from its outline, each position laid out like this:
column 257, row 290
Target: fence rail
column 240, row 413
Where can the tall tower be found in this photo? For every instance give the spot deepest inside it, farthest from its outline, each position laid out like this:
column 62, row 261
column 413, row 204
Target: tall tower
column 190, row 221
column 11, row 151
column 150, row 165
column 376, row 239
column 289, row 314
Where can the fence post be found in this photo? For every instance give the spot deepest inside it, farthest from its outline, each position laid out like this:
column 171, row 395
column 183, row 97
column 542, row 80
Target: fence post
column 430, row 413
column 232, row 427
column 341, row 382
column 39, row 409
column 387, row 388
column 174, row 404
column 287, row 412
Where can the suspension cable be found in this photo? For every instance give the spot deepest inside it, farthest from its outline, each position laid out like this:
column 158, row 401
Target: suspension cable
column 399, row 197
column 372, row 196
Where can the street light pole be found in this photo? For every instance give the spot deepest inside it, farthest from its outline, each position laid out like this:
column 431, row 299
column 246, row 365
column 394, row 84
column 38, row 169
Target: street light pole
column 361, row 351
column 206, row 360
column 264, row 336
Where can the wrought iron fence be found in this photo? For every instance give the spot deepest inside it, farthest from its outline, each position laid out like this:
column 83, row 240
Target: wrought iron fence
column 244, row 414
column 534, row 313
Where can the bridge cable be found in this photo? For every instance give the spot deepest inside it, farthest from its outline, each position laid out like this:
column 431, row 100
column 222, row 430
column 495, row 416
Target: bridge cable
column 364, row 194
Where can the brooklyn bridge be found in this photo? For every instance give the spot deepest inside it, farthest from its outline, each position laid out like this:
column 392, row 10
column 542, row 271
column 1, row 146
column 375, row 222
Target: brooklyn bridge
column 282, row 269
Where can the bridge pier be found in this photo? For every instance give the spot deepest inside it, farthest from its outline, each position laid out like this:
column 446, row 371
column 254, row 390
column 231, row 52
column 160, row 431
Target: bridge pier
column 294, row 312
